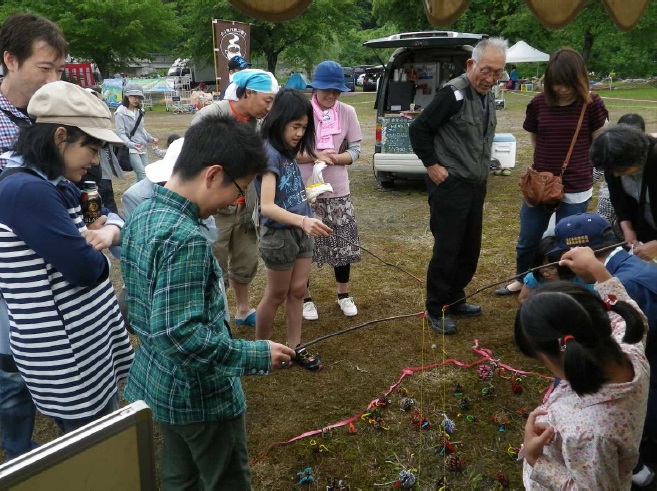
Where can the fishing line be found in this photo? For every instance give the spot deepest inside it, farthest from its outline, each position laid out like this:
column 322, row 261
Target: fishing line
column 303, row 346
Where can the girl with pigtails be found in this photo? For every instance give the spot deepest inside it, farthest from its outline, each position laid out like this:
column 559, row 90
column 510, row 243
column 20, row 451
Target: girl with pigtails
column 586, row 435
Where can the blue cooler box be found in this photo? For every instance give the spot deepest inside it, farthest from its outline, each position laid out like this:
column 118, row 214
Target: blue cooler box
column 504, row 149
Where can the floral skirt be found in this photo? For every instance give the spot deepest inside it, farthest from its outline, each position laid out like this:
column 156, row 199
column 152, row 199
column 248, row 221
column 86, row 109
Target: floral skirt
column 337, row 213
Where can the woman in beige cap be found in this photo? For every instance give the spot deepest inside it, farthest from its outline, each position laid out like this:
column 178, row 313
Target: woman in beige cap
column 67, row 334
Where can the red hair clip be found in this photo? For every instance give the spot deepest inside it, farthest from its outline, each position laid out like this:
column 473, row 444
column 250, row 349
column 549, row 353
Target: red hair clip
column 564, row 340
column 609, row 300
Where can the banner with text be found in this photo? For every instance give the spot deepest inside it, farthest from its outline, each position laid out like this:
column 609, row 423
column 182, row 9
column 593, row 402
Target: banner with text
column 230, row 39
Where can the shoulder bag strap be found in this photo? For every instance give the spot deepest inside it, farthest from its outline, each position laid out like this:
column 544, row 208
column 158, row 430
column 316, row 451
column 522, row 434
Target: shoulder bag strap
column 572, row 143
column 141, row 115
column 9, row 171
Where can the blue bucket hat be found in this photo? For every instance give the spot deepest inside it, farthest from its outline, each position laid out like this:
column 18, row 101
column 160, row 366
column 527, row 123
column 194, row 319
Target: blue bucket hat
column 581, row 230
column 329, row 76
column 258, row 80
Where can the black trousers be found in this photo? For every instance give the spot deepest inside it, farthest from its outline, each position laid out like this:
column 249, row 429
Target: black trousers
column 456, row 217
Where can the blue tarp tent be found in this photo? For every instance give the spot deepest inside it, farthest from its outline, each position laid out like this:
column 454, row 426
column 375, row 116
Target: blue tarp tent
column 296, row 81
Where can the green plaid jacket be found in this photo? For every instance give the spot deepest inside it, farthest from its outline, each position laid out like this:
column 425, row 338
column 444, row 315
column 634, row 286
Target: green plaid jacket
column 187, row 364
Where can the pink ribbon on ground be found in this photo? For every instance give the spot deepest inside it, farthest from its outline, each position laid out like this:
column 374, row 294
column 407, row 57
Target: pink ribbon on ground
column 485, row 355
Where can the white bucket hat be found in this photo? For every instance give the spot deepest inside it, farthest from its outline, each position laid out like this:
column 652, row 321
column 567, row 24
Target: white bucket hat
column 69, row 104
column 161, row 170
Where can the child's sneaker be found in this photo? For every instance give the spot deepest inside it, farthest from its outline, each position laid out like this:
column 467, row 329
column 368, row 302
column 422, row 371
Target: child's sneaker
column 643, row 477
column 310, row 311
column 306, row 360
column 348, row 306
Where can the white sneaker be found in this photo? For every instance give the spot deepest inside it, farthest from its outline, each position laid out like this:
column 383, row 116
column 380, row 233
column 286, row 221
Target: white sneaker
column 348, row 307
column 310, row 311
column 644, row 477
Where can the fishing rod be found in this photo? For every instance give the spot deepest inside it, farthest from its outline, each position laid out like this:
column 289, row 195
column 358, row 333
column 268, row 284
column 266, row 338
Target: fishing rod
column 302, row 347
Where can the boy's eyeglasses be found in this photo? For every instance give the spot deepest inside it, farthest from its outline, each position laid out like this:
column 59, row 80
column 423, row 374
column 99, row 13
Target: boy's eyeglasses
column 241, row 192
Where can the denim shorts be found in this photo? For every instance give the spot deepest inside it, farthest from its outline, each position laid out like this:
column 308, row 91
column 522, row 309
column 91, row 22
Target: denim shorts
column 280, row 247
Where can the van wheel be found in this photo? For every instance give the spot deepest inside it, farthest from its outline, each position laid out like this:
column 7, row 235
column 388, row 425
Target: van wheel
column 384, row 179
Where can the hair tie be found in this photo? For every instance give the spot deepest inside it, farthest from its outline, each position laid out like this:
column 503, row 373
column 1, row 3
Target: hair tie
column 564, row 340
column 609, row 301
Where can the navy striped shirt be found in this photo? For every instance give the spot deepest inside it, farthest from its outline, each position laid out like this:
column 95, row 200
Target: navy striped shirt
column 554, row 127
column 67, row 334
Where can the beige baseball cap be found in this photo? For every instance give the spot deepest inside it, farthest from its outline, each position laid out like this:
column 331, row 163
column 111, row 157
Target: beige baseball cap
column 69, row 104
column 161, row 170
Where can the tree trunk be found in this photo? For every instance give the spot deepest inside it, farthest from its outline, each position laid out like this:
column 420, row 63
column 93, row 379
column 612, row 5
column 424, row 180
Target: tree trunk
column 272, row 61
column 588, row 46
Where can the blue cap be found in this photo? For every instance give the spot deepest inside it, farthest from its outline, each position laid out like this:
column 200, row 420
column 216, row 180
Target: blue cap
column 581, row 230
column 238, row 62
column 329, row 76
column 258, row 80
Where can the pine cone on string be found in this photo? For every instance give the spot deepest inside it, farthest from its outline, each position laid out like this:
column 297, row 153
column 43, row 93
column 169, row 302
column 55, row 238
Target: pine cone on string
column 454, row 463
column 406, row 480
column 406, row 404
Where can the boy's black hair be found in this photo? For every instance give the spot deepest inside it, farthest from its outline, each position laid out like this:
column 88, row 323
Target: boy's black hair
column 619, row 147
column 36, row 144
column 633, row 119
column 172, row 138
column 19, row 32
column 221, row 140
column 558, row 309
column 289, row 105
column 544, row 254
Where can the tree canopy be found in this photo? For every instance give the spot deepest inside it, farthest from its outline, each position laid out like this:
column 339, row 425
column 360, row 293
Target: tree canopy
column 115, row 32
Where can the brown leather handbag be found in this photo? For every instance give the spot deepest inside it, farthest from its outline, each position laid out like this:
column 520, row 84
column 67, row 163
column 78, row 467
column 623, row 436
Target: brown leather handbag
column 545, row 188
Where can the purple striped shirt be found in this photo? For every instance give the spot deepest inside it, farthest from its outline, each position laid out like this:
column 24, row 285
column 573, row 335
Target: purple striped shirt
column 554, row 127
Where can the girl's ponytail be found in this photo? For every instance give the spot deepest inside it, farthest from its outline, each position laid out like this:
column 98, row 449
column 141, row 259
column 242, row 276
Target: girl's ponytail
column 635, row 326
column 581, row 368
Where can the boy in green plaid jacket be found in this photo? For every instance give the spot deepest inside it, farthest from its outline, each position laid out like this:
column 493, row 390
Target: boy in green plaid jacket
column 187, row 366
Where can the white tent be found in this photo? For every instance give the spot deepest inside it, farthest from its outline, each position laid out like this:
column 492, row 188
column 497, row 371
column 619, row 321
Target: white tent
column 521, row 52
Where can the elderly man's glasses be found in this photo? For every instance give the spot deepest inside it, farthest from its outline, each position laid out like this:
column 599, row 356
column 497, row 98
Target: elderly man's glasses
column 488, row 71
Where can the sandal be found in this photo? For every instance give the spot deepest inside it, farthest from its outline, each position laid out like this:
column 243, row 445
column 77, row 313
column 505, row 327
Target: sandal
column 249, row 320
column 306, row 360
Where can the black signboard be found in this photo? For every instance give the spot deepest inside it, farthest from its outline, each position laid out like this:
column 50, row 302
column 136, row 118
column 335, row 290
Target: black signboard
column 394, row 135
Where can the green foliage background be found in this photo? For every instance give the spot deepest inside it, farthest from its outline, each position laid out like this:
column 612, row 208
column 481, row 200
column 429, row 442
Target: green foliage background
column 115, row 32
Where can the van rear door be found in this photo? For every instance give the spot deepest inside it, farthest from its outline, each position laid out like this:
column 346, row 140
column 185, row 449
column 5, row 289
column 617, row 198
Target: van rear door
column 421, row 62
column 426, row 39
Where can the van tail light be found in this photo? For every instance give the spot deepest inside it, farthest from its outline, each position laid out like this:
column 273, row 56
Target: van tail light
column 378, row 133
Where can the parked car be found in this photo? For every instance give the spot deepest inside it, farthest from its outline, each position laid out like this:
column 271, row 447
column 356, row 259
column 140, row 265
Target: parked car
column 371, row 78
column 349, row 78
column 421, row 64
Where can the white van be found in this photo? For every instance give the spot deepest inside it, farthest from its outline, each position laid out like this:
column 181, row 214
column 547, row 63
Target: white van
column 422, row 63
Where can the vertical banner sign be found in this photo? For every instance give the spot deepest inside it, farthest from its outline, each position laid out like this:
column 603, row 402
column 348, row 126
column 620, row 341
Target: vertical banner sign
column 230, row 39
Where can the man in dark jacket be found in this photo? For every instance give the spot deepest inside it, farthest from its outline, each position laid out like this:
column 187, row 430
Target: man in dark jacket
column 453, row 137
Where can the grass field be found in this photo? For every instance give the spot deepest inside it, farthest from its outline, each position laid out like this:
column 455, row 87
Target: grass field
column 362, row 365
